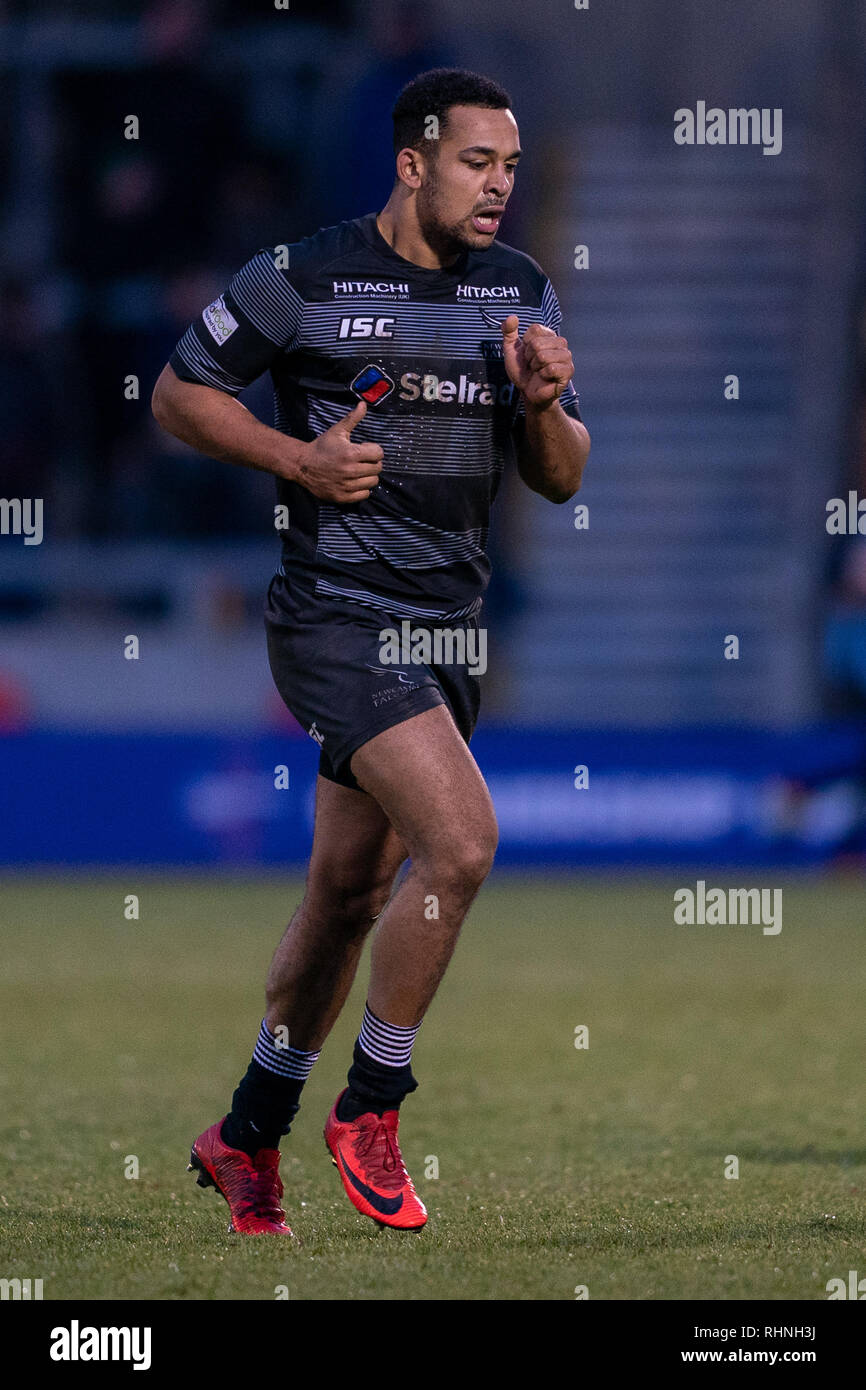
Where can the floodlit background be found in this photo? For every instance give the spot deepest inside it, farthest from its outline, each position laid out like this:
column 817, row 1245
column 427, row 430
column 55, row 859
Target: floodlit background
column 151, row 862
column 706, row 515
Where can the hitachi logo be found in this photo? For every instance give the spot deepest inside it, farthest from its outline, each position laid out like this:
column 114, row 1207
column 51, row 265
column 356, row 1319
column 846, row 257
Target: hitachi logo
column 488, row 291
column 463, row 392
column 370, row 287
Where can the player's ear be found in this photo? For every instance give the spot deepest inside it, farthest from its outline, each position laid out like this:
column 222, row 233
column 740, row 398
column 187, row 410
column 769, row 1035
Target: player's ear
column 410, row 167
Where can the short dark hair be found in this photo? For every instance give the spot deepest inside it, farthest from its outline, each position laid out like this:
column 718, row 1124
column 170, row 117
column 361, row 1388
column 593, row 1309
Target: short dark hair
column 432, row 94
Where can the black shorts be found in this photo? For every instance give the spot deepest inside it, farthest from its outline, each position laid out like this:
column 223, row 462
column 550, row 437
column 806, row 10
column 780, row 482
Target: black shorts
column 326, row 660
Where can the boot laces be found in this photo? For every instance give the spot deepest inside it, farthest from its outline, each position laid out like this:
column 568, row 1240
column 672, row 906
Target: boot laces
column 378, row 1147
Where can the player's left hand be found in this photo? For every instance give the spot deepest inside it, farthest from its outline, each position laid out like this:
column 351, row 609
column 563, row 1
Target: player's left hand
column 540, row 363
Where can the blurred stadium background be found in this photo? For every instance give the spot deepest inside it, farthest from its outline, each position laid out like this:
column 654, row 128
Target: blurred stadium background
column 707, row 519
column 706, row 515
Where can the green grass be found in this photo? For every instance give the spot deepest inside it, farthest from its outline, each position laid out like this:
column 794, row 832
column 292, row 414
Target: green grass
column 557, row 1166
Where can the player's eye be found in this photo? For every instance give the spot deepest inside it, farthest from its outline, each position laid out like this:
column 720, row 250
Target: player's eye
column 476, row 163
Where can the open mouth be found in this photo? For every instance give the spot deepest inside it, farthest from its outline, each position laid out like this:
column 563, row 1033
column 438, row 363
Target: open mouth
column 487, row 221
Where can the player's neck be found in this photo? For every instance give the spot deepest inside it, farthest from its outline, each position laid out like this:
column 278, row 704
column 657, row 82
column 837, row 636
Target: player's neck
column 399, row 226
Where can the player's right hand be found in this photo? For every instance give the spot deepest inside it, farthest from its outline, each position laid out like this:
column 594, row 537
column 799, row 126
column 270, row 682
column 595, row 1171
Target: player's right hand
column 335, row 469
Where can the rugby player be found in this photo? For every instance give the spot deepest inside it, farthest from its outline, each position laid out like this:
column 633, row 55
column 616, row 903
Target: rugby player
column 413, row 358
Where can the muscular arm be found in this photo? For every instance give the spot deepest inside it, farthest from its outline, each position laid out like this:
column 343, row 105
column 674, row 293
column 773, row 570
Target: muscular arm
column 331, row 466
column 552, row 450
column 216, row 424
column 552, row 447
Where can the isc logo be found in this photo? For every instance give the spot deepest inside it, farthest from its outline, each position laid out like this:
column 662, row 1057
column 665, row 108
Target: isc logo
column 367, row 326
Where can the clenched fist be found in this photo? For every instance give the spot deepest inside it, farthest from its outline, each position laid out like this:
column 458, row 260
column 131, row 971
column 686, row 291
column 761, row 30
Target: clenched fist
column 334, row 469
column 539, row 363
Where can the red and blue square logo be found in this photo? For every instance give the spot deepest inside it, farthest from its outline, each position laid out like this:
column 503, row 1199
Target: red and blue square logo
column 372, row 385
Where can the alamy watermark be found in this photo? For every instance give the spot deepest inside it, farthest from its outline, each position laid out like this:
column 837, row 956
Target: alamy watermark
column 22, row 516
column 855, row 1287
column 732, row 907
column 434, row 646
column 20, row 1289
column 77, row 1343
column 846, row 516
column 736, row 126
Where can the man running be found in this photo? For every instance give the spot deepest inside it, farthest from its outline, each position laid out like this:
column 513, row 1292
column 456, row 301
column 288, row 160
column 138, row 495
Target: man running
column 412, row 358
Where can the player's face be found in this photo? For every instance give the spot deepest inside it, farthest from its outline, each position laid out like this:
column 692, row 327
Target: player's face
column 467, row 183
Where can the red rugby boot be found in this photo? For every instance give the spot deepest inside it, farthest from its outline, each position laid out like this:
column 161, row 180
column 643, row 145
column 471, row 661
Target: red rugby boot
column 251, row 1186
column 368, row 1159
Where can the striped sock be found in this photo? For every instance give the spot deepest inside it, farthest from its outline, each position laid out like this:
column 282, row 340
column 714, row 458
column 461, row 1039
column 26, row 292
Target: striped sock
column 381, row 1075
column 277, row 1057
column 386, row 1043
column 268, row 1096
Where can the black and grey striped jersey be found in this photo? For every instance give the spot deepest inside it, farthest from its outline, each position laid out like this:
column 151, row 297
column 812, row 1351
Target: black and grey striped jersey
column 340, row 316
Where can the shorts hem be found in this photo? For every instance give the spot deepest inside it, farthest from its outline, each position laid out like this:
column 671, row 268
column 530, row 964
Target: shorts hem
column 428, row 698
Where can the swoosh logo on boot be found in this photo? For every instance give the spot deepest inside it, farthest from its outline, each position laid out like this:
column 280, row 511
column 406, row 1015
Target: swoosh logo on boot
column 388, row 1206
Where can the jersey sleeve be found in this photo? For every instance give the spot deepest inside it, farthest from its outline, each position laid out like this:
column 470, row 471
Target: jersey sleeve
column 551, row 317
column 240, row 334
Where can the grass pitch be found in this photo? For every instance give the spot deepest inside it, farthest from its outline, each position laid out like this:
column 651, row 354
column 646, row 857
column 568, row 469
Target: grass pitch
column 558, row 1166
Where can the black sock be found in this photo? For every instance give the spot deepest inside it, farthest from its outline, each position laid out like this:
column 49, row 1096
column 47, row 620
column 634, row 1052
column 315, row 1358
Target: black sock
column 263, row 1107
column 373, row 1087
column 268, row 1097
